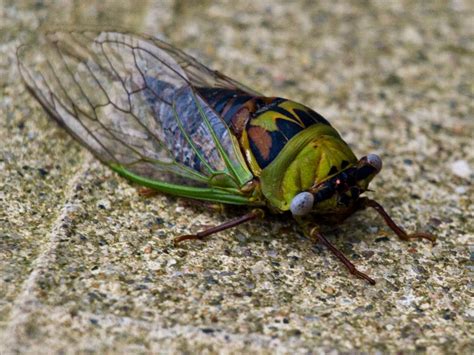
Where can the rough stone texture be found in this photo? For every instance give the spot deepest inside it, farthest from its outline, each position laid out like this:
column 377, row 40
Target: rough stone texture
column 87, row 265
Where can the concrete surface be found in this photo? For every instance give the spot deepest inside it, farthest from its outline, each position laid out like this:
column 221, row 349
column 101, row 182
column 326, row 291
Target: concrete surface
column 88, row 266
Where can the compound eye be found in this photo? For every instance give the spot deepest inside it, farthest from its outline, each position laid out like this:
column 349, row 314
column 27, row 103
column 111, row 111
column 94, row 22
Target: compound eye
column 375, row 161
column 302, row 204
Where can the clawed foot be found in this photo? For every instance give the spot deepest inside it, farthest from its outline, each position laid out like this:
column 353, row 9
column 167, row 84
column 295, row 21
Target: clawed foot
column 316, row 235
column 418, row 235
column 399, row 231
column 362, row 276
column 182, row 238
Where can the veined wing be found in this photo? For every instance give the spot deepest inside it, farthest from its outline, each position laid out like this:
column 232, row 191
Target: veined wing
column 132, row 101
column 198, row 74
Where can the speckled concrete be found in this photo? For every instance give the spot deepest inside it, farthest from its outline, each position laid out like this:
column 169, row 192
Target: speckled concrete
column 87, row 265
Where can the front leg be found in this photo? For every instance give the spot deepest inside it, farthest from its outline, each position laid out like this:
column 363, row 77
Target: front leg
column 399, row 231
column 317, row 236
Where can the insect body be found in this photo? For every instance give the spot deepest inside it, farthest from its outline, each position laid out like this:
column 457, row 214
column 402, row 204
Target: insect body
column 163, row 120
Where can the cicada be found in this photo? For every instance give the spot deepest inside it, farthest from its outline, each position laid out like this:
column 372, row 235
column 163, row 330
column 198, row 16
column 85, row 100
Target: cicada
column 161, row 119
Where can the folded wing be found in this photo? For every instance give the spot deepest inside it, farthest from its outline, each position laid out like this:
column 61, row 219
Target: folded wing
column 132, row 101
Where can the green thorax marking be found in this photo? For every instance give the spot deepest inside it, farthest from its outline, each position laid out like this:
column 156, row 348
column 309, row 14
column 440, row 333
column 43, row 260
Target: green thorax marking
column 310, row 157
column 272, row 126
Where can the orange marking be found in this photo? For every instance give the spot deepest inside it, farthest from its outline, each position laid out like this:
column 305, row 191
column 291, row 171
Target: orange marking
column 261, row 139
column 239, row 121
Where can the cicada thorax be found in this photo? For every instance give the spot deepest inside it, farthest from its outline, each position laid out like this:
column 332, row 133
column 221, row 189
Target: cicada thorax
column 271, row 126
column 263, row 125
column 288, row 147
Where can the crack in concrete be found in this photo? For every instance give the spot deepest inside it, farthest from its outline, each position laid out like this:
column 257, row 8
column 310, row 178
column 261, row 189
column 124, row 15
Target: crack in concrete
column 27, row 301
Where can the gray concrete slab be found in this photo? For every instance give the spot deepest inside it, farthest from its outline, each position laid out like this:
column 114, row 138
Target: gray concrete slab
column 88, row 265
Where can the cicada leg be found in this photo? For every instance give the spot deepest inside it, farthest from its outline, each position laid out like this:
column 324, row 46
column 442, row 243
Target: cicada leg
column 399, row 231
column 147, row 192
column 320, row 238
column 254, row 214
column 213, row 206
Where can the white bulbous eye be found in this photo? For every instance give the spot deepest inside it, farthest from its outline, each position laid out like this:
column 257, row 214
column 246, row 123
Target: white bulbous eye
column 375, row 161
column 302, row 204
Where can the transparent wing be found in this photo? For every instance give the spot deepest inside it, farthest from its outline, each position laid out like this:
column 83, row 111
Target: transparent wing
column 198, row 74
column 131, row 100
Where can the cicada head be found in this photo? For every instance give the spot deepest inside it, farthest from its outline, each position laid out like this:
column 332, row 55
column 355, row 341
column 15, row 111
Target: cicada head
column 338, row 193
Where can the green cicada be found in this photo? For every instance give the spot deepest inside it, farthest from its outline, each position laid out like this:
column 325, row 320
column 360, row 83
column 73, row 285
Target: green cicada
column 161, row 119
